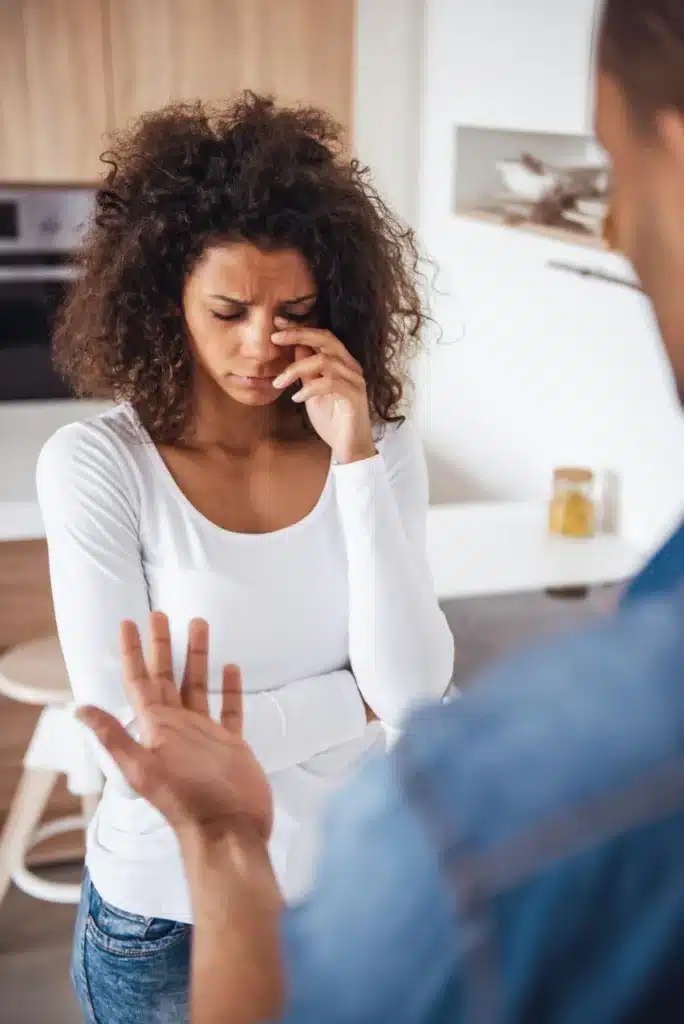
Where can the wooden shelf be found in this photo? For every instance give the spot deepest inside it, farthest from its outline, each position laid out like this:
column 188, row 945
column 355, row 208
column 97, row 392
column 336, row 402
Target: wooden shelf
column 566, row 235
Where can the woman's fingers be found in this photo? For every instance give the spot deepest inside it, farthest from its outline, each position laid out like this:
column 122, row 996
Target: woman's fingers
column 193, row 692
column 130, row 756
column 327, row 386
column 160, row 660
column 317, row 366
column 302, row 352
column 231, row 708
column 313, row 364
column 320, row 341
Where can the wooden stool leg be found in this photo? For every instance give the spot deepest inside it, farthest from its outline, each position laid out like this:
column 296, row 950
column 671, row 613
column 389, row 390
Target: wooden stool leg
column 89, row 804
column 28, row 804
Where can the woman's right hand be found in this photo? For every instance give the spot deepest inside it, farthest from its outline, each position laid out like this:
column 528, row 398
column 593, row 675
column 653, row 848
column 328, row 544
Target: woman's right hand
column 202, row 776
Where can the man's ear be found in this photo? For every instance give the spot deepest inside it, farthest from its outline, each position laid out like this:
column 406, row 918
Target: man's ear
column 610, row 235
column 670, row 128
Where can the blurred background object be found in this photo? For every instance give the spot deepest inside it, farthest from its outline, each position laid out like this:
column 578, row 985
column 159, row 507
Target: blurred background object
column 572, row 510
column 565, row 197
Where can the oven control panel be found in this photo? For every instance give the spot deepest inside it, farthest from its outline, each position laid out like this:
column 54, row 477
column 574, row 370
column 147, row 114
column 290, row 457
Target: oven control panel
column 43, row 220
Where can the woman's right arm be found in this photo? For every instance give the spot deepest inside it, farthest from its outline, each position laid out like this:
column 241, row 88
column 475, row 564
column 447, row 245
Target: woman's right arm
column 87, row 499
column 90, row 504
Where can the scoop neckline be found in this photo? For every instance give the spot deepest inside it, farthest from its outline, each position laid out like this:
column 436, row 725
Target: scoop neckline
column 168, row 478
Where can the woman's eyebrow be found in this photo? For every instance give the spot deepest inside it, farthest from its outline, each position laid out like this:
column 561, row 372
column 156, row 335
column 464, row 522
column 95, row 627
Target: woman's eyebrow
column 229, row 298
column 246, row 302
column 301, row 298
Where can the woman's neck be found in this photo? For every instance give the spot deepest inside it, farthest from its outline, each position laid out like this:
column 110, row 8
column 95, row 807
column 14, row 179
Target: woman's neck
column 220, row 420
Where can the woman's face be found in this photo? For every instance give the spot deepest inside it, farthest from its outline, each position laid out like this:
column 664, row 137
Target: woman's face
column 231, row 300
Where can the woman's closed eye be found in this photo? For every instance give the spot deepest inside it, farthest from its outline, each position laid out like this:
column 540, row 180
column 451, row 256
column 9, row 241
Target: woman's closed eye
column 299, row 318
column 228, row 316
column 295, row 318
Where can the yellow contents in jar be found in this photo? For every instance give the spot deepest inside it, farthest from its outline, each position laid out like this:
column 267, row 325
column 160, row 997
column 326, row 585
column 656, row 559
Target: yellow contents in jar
column 572, row 512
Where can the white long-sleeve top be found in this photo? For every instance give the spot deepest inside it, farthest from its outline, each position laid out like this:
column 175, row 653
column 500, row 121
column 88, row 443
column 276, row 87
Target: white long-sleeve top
column 338, row 605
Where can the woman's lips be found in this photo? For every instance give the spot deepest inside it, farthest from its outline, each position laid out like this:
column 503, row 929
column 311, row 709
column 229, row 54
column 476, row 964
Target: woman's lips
column 255, row 383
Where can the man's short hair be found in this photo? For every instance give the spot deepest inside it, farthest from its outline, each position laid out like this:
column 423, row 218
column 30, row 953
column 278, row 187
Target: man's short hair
column 642, row 46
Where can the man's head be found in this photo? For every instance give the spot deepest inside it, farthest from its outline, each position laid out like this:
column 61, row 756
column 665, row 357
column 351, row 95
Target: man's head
column 640, row 122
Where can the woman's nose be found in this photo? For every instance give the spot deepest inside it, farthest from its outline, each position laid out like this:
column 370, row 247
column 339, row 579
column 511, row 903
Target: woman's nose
column 256, row 338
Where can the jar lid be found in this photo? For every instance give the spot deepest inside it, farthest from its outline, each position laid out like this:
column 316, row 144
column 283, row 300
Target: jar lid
column 574, row 475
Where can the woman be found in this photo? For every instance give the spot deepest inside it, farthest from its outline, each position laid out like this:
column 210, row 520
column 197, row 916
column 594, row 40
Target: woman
column 249, row 304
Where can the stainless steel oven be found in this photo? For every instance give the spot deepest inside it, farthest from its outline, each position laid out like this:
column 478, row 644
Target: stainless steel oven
column 40, row 229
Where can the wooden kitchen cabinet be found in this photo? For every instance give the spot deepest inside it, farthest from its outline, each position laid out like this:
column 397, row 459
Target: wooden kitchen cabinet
column 53, row 90
column 71, row 70
column 164, row 50
column 14, row 113
column 306, row 53
column 522, row 66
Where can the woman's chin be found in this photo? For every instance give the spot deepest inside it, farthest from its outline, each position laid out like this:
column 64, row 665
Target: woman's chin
column 251, row 391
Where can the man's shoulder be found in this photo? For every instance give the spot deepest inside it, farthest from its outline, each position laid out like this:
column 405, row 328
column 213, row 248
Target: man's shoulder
column 663, row 572
column 421, row 888
column 553, row 730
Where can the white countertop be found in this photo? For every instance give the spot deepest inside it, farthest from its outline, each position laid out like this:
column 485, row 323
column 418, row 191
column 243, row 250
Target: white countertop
column 20, row 520
column 24, row 429
column 504, row 547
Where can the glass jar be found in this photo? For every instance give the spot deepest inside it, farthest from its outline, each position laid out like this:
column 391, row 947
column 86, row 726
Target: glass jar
column 572, row 512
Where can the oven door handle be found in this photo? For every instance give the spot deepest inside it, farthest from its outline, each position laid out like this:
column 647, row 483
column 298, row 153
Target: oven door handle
column 42, row 273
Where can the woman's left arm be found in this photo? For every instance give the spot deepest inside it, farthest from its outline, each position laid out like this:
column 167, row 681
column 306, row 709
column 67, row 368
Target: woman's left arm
column 401, row 647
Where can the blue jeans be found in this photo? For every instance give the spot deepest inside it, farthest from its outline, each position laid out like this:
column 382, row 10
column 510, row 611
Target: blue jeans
column 128, row 969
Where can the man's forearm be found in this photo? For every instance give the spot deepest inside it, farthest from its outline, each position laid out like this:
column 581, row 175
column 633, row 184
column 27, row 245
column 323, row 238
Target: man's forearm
column 237, row 968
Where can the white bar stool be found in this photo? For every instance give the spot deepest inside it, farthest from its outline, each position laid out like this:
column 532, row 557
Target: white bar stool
column 35, row 673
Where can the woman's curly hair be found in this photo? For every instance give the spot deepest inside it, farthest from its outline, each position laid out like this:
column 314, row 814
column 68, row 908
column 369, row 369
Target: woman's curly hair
column 185, row 178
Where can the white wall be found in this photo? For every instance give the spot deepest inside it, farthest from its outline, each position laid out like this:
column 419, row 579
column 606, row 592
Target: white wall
column 387, row 97
column 552, row 369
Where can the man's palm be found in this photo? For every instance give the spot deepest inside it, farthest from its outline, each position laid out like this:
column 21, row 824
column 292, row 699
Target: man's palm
column 196, row 772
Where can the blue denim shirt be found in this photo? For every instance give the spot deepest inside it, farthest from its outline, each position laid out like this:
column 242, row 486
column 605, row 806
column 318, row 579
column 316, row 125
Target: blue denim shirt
column 520, row 855
column 663, row 573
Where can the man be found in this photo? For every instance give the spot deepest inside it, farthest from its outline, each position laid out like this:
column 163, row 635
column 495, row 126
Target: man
column 519, row 856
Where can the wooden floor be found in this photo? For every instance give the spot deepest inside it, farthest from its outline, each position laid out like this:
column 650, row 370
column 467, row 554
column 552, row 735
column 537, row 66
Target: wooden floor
column 35, row 940
column 35, row 937
column 488, row 628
